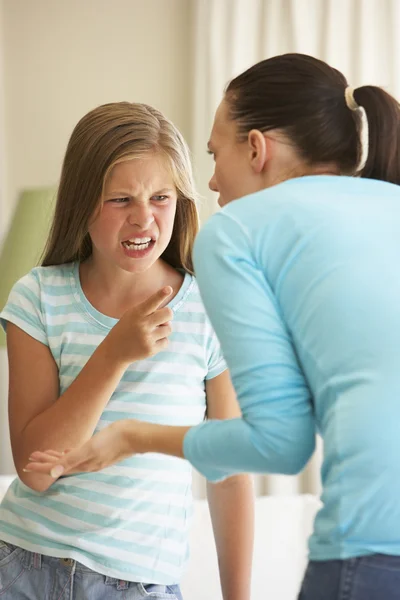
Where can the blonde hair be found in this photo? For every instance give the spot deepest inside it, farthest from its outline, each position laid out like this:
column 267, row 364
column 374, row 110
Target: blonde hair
column 108, row 135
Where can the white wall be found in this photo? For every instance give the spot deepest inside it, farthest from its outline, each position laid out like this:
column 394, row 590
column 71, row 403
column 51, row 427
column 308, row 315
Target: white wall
column 2, row 138
column 64, row 57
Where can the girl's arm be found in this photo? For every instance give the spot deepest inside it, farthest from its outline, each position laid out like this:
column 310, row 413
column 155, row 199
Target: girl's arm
column 231, row 501
column 39, row 417
column 231, row 504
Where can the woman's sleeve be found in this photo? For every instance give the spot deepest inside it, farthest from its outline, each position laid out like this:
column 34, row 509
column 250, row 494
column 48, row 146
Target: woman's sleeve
column 276, row 433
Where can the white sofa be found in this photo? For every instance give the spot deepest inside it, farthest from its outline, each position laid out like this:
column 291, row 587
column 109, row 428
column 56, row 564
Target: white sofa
column 280, row 554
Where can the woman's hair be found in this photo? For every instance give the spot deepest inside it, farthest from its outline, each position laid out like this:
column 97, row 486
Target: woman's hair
column 103, row 138
column 305, row 98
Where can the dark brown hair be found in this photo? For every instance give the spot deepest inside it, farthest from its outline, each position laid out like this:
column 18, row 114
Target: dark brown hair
column 305, row 98
column 103, row 138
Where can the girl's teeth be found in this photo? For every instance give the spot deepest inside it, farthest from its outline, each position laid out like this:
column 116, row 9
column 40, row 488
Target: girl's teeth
column 137, row 245
column 140, row 240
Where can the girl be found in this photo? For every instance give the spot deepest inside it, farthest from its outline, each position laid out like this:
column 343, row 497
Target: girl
column 110, row 327
column 310, row 327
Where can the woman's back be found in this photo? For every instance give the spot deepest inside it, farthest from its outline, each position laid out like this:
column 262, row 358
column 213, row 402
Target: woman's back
column 328, row 251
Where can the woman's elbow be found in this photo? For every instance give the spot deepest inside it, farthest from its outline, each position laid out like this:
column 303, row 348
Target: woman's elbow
column 295, row 459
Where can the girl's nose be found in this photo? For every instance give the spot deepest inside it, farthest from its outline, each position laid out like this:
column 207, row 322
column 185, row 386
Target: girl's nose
column 141, row 216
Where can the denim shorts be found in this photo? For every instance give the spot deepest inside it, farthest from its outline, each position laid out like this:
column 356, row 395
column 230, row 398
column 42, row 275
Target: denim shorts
column 374, row 577
column 34, row 576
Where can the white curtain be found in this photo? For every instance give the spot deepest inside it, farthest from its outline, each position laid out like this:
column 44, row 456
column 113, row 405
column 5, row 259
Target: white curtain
column 358, row 37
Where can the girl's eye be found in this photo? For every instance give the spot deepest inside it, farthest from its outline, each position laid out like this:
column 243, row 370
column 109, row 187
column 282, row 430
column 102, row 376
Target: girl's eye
column 119, row 200
column 159, row 198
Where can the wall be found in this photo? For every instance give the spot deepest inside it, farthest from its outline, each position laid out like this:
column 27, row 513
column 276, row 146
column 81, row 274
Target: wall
column 2, row 127
column 62, row 58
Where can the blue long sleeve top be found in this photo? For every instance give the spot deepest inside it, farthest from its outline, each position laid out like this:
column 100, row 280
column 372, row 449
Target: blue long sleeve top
column 302, row 285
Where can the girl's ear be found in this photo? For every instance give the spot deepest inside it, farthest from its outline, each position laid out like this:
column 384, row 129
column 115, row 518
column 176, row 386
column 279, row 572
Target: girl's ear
column 259, row 150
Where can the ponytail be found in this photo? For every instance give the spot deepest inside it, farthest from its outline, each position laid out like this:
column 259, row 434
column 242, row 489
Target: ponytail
column 383, row 115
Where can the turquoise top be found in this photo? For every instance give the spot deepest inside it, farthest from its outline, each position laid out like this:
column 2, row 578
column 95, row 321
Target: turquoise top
column 302, row 285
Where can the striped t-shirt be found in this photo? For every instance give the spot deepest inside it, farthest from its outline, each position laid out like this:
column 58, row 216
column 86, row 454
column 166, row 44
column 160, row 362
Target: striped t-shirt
column 129, row 521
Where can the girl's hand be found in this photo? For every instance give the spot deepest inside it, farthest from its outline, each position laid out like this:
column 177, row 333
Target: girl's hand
column 111, row 445
column 142, row 331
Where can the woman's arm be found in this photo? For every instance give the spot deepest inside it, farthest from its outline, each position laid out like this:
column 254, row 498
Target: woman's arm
column 277, row 430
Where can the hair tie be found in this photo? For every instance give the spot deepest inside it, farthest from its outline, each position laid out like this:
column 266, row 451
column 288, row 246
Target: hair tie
column 349, row 97
column 364, row 137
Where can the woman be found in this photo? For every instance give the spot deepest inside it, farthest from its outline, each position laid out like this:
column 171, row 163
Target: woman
column 300, row 279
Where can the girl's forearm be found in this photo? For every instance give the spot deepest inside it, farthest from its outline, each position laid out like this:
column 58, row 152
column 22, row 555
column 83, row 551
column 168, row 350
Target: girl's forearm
column 232, row 512
column 73, row 417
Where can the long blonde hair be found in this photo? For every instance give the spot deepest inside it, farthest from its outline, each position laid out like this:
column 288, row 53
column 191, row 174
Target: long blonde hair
column 104, row 137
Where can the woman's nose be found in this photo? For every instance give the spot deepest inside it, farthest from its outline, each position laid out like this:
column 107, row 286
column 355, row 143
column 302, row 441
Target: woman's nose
column 212, row 184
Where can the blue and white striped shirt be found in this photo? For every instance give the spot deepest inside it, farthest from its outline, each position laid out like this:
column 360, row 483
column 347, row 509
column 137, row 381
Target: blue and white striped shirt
column 131, row 520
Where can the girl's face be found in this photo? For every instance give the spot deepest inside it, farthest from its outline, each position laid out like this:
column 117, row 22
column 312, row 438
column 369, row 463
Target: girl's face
column 233, row 176
column 134, row 225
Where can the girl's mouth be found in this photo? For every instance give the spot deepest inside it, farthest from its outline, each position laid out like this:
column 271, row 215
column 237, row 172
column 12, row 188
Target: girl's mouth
column 138, row 247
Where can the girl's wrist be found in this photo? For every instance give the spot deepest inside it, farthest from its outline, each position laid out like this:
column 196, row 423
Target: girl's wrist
column 107, row 349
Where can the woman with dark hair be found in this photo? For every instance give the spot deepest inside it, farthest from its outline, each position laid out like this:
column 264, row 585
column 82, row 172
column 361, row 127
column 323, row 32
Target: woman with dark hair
column 299, row 273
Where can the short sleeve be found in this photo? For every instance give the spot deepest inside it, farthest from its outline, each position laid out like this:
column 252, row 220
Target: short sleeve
column 215, row 359
column 24, row 308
